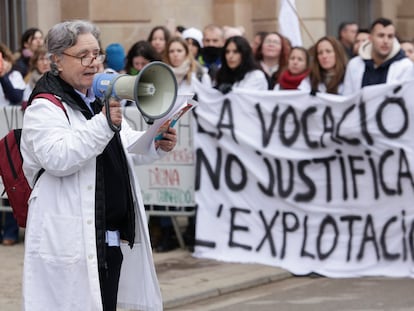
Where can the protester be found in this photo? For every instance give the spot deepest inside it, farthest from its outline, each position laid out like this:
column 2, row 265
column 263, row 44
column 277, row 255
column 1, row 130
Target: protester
column 11, row 80
column 327, row 68
column 184, row 66
column 12, row 88
column 39, row 64
column 115, row 57
column 194, row 38
column 272, row 55
column 158, row 38
column 380, row 60
column 140, row 54
column 257, row 40
column 361, row 37
column 239, row 68
column 408, row 48
column 297, row 69
column 347, row 32
column 31, row 40
column 86, row 215
column 213, row 41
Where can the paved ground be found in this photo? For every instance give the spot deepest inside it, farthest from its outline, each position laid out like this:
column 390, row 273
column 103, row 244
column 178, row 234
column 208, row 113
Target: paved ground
column 183, row 278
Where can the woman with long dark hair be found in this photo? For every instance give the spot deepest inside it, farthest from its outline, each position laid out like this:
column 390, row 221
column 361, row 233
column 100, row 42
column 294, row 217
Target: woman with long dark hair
column 31, row 40
column 238, row 67
column 158, row 38
column 140, row 54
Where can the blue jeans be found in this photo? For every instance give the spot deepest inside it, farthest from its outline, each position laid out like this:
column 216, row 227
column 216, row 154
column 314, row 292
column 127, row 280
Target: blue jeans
column 10, row 230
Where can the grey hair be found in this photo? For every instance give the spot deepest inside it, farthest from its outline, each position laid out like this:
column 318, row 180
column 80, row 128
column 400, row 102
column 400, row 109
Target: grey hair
column 65, row 35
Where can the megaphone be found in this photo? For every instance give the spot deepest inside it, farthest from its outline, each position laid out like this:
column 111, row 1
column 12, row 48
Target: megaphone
column 154, row 90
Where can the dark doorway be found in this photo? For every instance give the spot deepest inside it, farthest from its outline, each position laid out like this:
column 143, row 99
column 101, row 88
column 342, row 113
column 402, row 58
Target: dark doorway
column 338, row 11
column 12, row 22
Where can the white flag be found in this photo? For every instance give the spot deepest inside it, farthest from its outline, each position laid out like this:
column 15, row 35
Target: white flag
column 289, row 22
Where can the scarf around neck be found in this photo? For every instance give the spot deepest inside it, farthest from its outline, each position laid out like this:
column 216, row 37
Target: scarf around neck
column 287, row 81
column 181, row 71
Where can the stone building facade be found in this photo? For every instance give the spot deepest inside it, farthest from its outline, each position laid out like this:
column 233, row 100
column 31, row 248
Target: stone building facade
column 127, row 21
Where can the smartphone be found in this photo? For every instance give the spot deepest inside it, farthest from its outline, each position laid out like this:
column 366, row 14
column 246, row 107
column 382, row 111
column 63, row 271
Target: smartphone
column 172, row 121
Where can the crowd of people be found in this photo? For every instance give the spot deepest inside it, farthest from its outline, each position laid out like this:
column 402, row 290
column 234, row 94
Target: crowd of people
column 219, row 57
column 231, row 60
column 223, row 58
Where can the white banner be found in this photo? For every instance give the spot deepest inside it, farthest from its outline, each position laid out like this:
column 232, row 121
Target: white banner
column 308, row 183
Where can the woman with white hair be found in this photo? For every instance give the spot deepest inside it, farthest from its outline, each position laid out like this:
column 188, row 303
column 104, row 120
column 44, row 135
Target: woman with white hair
column 86, row 244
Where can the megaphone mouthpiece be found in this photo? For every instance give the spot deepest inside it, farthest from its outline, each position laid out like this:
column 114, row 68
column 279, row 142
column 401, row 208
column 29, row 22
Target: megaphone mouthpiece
column 146, row 89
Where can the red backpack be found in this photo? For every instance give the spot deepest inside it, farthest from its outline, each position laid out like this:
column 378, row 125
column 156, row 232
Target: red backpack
column 11, row 170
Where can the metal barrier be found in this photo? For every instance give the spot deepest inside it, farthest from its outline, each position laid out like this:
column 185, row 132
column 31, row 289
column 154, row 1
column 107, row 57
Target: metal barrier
column 174, row 212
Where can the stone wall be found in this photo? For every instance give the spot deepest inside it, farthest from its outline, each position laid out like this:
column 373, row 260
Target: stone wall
column 127, row 21
column 405, row 19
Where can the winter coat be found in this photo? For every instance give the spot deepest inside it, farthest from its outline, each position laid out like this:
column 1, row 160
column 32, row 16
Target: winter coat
column 60, row 262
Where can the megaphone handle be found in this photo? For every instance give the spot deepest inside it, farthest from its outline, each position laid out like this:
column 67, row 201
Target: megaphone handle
column 113, row 127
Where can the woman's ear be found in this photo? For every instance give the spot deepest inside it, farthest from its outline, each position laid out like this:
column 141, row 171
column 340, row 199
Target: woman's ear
column 57, row 61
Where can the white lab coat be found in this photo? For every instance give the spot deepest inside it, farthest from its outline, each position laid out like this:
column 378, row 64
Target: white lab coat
column 188, row 88
column 305, row 85
column 253, row 80
column 60, row 262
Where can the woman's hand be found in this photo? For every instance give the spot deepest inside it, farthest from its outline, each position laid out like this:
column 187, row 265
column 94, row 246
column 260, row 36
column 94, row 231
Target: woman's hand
column 115, row 111
column 168, row 141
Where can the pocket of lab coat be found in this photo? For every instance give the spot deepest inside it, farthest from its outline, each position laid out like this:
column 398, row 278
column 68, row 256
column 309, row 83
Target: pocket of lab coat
column 60, row 239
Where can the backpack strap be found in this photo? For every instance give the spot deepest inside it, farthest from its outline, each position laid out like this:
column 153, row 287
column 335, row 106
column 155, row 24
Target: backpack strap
column 54, row 99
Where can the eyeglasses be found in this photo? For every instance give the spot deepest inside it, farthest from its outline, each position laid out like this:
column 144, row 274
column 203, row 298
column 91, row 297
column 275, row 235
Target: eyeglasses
column 86, row 61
